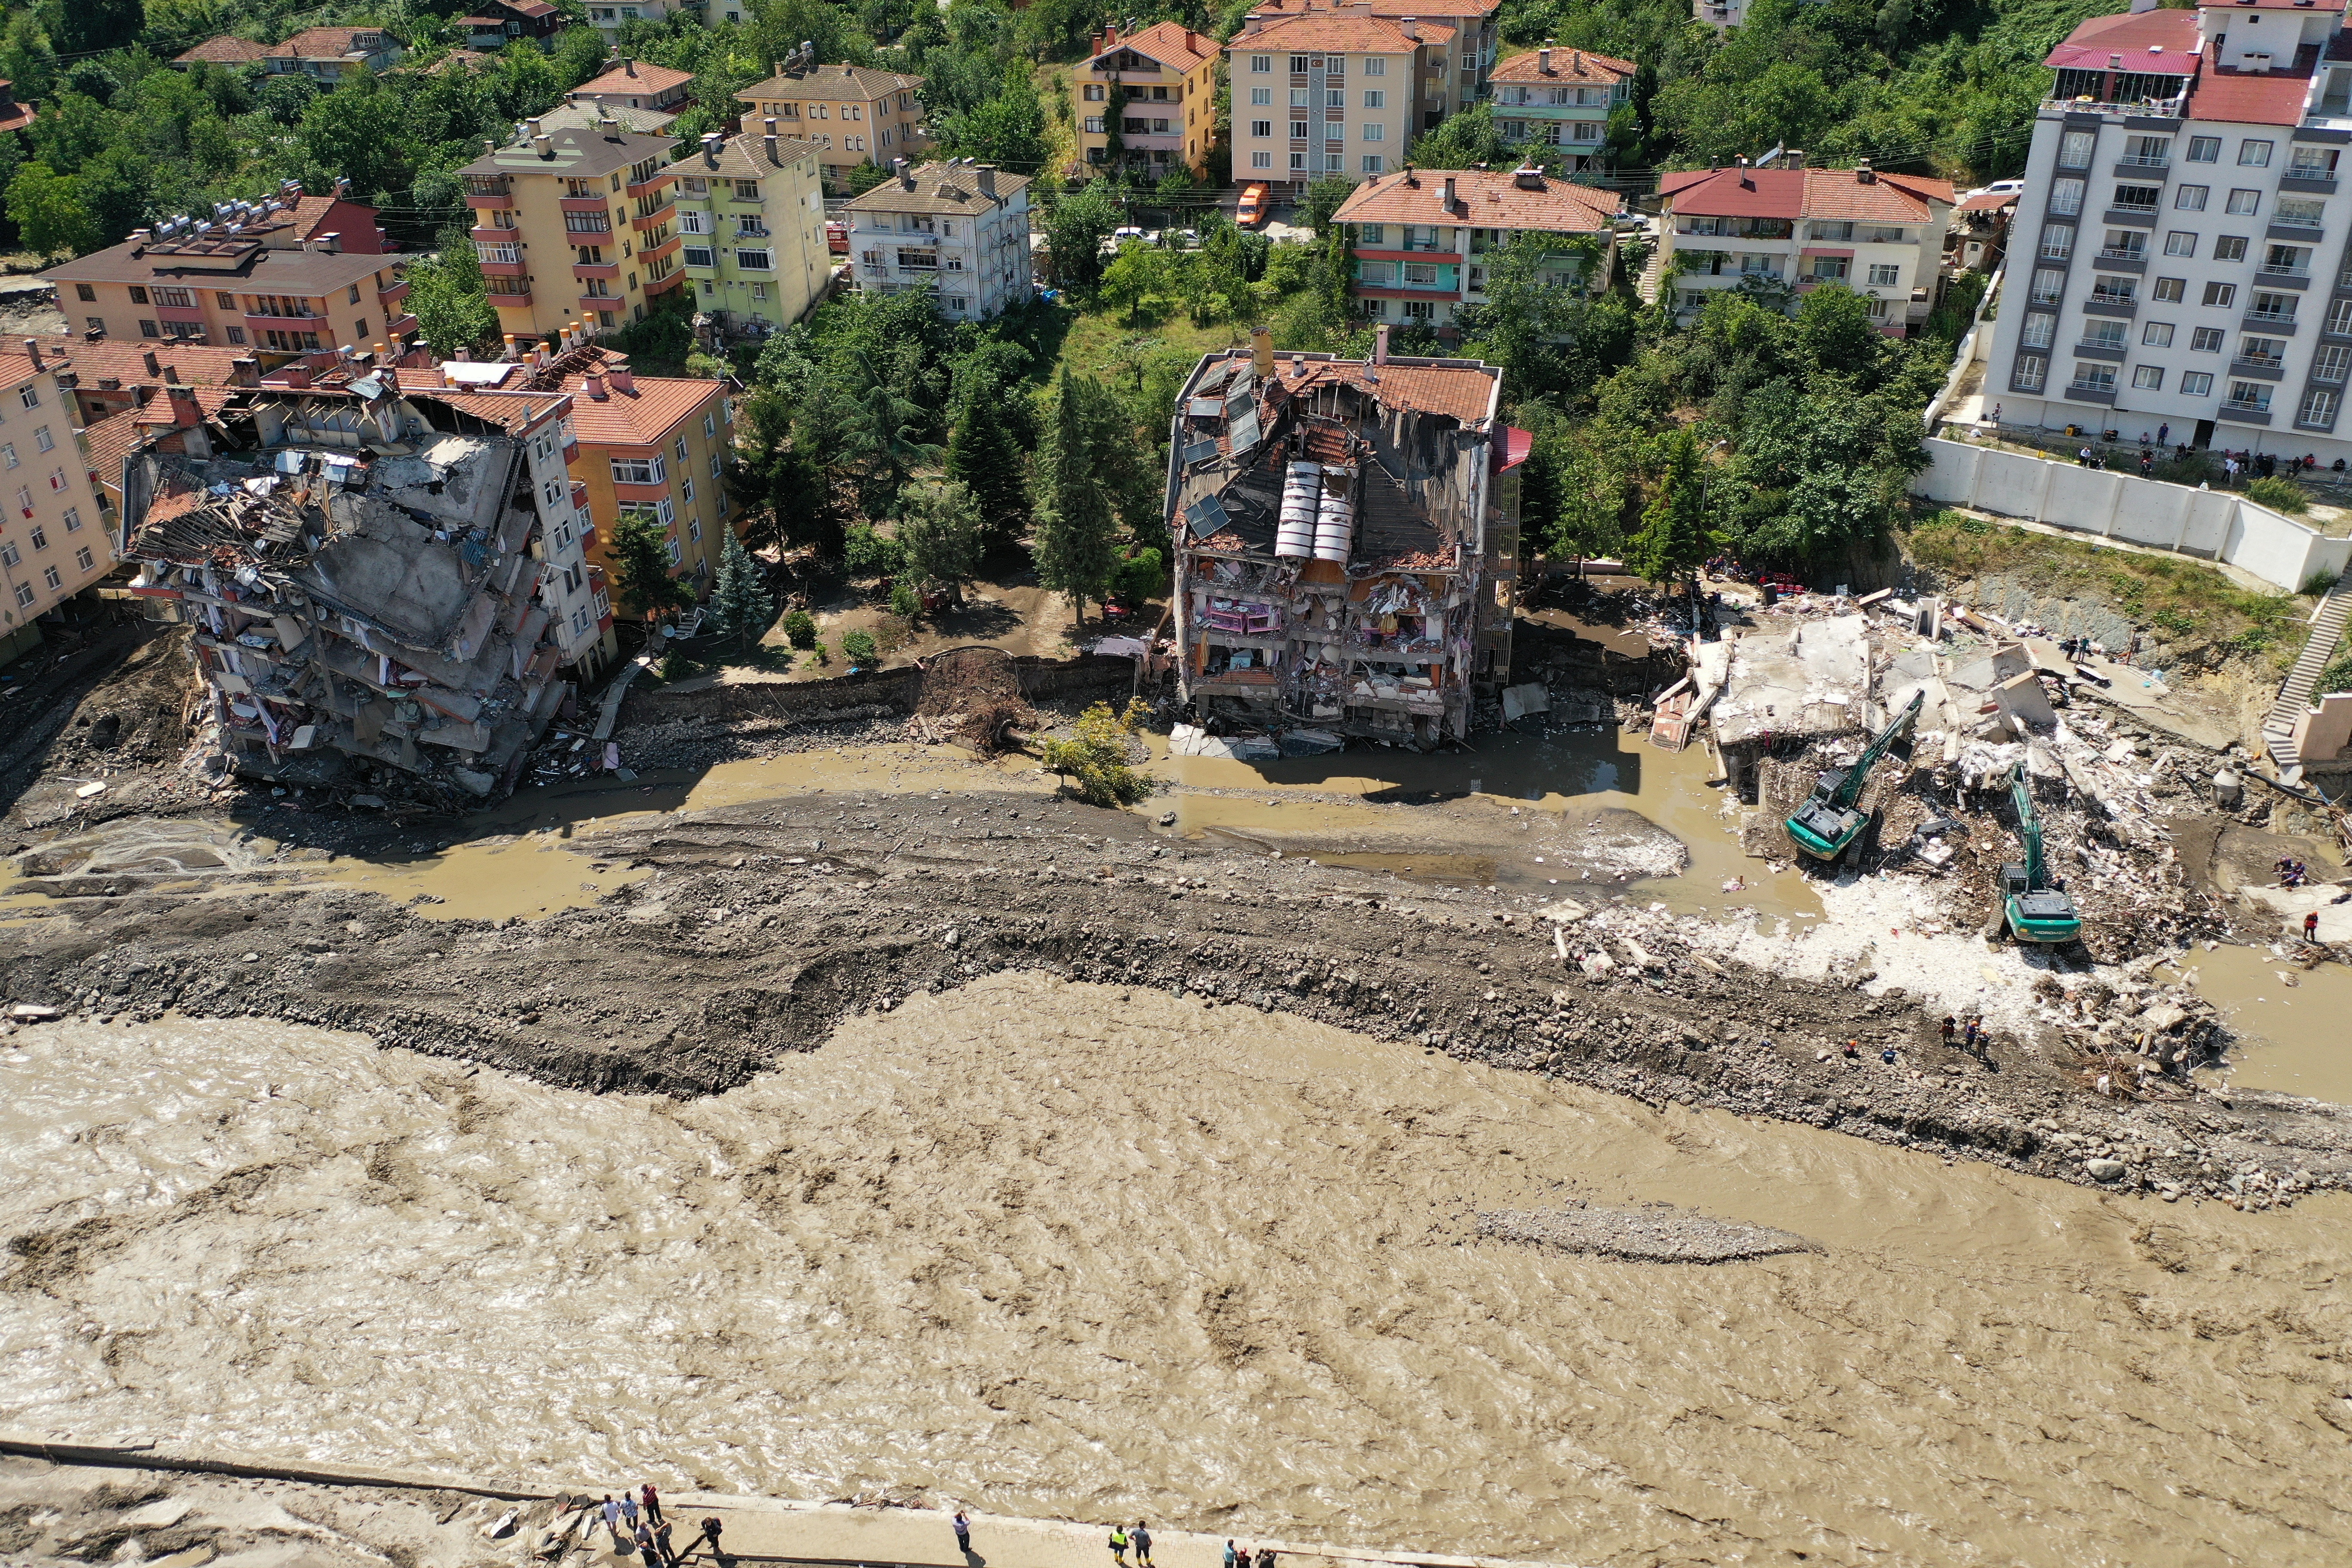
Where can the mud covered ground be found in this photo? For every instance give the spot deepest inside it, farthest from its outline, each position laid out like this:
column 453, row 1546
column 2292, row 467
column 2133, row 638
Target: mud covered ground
column 752, row 929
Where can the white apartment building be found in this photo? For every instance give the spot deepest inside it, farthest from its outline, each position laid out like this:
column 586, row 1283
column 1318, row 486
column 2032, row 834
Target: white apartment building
column 1317, row 93
column 54, row 539
column 961, row 227
column 1789, row 229
column 2178, row 266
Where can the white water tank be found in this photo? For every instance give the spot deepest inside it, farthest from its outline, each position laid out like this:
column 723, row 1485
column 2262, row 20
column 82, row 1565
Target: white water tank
column 1335, row 529
column 1302, row 495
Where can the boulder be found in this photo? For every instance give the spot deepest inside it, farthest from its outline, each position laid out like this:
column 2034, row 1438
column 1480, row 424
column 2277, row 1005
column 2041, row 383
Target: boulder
column 2106, row 1170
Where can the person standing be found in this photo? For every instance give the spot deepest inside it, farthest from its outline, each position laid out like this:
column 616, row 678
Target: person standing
column 2163, row 434
column 1969, row 1036
column 661, row 1540
column 2311, row 927
column 629, row 1509
column 652, row 1501
column 1266, row 1557
column 1141, row 1536
column 711, row 1528
column 1119, row 1546
column 1951, row 1026
column 963, row 1533
column 1229, row 1554
column 613, row 1517
column 647, row 1553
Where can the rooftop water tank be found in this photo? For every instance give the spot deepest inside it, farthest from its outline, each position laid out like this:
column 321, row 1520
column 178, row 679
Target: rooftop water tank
column 1302, row 495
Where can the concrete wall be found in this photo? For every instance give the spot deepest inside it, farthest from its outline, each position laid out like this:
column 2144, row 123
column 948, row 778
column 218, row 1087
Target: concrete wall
column 2214, row 525
column 2325, row 732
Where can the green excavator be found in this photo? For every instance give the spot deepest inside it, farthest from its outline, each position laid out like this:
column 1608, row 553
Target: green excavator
column 2031, row 906
column 1829, row 821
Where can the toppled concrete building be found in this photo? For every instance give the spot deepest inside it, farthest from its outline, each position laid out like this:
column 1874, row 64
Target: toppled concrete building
column 374, row 578
column 1346, row 538
column 1810, row 684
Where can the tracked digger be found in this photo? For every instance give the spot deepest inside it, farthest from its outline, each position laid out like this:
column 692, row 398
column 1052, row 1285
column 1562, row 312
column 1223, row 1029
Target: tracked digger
column 2032, row 907
column 1831, row 819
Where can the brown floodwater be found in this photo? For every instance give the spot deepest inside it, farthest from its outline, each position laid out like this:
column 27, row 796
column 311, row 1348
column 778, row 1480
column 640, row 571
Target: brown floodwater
column 1073, row 1250
column 2292, row 1024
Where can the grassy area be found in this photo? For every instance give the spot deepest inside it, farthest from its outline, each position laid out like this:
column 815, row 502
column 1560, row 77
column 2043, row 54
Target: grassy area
column 2183, row 599
column 1100, row 344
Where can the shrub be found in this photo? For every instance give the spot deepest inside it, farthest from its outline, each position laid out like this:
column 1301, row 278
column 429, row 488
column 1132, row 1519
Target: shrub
column 870, row 555
column 905, row 603
column 858, row 647
column 1096, row 756
column 2279, row 495
column 800, row 629
column 677, row 667
column 892, row 633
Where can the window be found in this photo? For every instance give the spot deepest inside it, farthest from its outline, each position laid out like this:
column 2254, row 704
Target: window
column 1884, row 275
column 2252, row 395
column 2170, row 291
column 2039, row 330
column 8, row 455
column 2244, row 202
column 50, row 575
column 29, row 396
column 2221, row 295
column 1262, row 127
column 753, row 260
column 24, row 595
column 2190, row 198
column 2319, row 410
column 83, row 559
column 2139, row 198
column 1261, row 160
column 2148, row 378
column 2110, row 290
column 2057, row 241
column 1335, row 98
column 2300, row 212
column 1375, row 98
column 2204, row 149
column 1376, row 66
column 694, row 527
column 1094, row 93
column 2340, row 319
column 98, row 324
column 84, row 291
column 2180, row 242
column 637, row 470
column 8, row 555
column 2129, row 243
column 2093, row 376
column 1298, row 97
column 1261, row 96
column 236, row 336
column 1371, row 163
column 2074, row 149
column 44, row 440
column 2065, row 197
column 711, row 426
column 1298, row 161
column 2195, row 383
column 2254, row 154
column 1374, row 131
column 2229, row 248
column 700, row 256
column 73, row 520
column 2156, row 334
column 2105, row 335
column 39, row 537
column 138, row 295
column 2205, row 339
column 687, row 490
column 2262, row 350
column 1261, row 65
column 2331, row 362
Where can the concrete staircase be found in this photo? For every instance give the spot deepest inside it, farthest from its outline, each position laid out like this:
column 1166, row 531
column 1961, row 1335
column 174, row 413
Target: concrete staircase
column 2295, row 694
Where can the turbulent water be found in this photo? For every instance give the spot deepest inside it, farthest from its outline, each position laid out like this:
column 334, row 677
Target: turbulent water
column 1058, row 1249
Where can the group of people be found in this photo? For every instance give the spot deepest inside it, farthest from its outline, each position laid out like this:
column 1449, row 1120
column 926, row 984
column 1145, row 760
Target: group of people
column 637, row 1524
column 1121, row 1539
column 1969, row 1037
column 2292, row 873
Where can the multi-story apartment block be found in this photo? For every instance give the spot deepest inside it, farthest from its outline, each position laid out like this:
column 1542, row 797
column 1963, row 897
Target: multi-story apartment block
column 220, row 284
column 751, row 212
column 960, row 228
column 1422, row 240
column 1478, row 39
column 629, row 85
column 52, row 540
column 854, row 114
column 2179, row 257
column 569, row 223
column 654, row 446
column 1317, row 93
column 1793, row 229
column 1560, row 100
column 1153, row 93
column 608, row 19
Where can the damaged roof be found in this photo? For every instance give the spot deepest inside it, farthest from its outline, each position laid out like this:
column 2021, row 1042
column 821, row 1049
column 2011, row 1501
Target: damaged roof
column 1813, row 681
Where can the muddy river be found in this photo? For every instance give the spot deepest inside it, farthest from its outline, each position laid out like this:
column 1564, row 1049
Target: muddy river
column 1067, row 1250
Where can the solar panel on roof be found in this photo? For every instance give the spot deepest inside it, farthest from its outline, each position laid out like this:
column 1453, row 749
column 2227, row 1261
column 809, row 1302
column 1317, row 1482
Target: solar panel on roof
column 1244, row 431
column 1205, row 516
column 1199, row 452
column 1204, row 408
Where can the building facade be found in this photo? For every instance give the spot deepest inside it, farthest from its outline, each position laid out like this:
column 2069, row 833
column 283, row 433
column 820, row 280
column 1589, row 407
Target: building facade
column 1560, row 100
column 655, row 446
column 608, row 18
column 854, row 114
column 630, row 85
column 573, row 224
column 497, row 23
column 2179, row 266
column 1783, row 231
column 1318, row 93
column 1153, row 94
column 960, row 228
column 54, row 540
column 208, row 283
column 1477, row 41
column 751, row 213
column 1422, row 240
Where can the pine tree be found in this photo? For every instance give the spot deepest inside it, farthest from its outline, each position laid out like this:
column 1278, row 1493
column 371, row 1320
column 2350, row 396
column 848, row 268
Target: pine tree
column 740, row 604
column 1674, row 538
column 641, row 568
column 941, row 534
column 1075, row 525
column 982, row 457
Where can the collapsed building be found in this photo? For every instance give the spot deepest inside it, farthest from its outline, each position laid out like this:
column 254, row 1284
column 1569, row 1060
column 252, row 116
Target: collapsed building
column 1346, row 537
column 378, row 581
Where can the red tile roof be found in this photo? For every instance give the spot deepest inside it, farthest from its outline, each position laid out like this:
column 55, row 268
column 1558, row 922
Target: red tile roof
column 1887, row 198
column 327, row 43
column 1178, row 47
column 125, row 361
column 1803, row 193
column 1332, row 33
column 643, row 417
column 224, row 51
column 1567, row 65
column 2250, row 98
column 2156, row 42
column 643, row 80
column 1394, row 8
column 1487, row 199
column 1464, row 392
column 109, row 442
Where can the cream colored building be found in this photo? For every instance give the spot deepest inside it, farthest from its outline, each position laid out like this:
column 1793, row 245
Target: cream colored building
column 1343, row 92
column 854, row 114
column 750, row 212
column 53, row 543
column 573, row 225
column 1161, row 85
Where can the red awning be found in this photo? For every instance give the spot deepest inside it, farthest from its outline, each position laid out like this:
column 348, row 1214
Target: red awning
column 1513, row 450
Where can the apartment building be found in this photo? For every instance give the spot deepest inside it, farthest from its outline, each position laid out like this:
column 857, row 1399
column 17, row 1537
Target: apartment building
column 629, row 85
column 608, row 19
column 499, row 22
column 1786, row 230
column 1153, row 94
column 1317, row 93
column 207, row 283
column 654, row 446
column 960, row 228
column 54, row 541
column 854, row 114
column 1560, row 100
column 1477, row 37
column 751, row 213
column 573, row 223
column 2179, row 255
column 1422, row 240
column 1720, row 15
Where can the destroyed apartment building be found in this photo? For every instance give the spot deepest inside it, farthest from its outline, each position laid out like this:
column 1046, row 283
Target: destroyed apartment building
column 1346, row 537
column 378, row 582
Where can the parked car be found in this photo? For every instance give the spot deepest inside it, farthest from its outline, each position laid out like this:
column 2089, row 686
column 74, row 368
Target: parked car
column 1252, row 211
column 1126, row 232
column 1183, row 238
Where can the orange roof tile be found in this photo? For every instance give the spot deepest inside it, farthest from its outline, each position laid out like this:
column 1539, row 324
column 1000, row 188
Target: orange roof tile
column 1397, row 8
column 110, row 443
column 224, row 51
column 1484, row 198
column 1889, row 198
column 1172, row 45
column 641, row 79
column 1567, row 65
column 327, row 43
column 125, row 361
column 1349, row 34
column 1463, row 391
column 643, row 417
column 514, row 411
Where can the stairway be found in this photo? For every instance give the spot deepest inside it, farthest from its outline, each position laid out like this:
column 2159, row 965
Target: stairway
column 2295, row 693
column 1653, row 270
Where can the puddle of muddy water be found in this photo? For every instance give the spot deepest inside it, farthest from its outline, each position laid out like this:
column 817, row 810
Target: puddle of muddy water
column 1071, row 1250
column 2297, row 1039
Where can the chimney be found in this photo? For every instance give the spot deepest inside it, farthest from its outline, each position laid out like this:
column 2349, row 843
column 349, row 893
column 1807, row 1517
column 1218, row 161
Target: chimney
column 629, row 68
column 906, row 176
column 710, row 149
column 1380, row 344
column 595, row 386
column 332, row 241
column 2139, row 6
column 139, row 241
column 1446, row 201
column 1262, row 353
column 185, row 415
column 1410, row 26
column 245, row 371
column 1543, row 57
column 987, row 174
column 1528, row 177
column 1794, row 157
column 768, row 128
column 33, row 347
column 1252, row 23
column 1864, row 174
column 510, row 348
column 544, row 145
column 618, row 374
column 155, row 371
column 171, row 375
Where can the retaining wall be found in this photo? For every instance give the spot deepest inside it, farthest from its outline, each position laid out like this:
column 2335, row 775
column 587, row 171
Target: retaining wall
column 2212, row 525
column 815, row 701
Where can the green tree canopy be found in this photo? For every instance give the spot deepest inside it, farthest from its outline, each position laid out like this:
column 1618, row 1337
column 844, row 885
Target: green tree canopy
column 1076, row 530
column 642, row 567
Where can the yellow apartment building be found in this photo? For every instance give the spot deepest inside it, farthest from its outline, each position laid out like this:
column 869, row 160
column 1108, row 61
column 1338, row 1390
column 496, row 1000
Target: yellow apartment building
column 854, row 114
column 573, row 225
column 1154, row 92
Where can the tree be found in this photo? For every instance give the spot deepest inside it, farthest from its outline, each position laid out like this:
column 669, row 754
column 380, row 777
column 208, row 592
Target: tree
column 885, row 432
column 1324, row 198
column 446, row 296
column 1674, row 537
column 1467, row 140
column 1140, row 273
column 1075, row 525
column 982, row 458
column 641, row 568
column 1096, row 754
column 1837, row 332
column 941, row 533
column 1076, row 226
column 285, row 98
column 1008, row 129
column 48, row 210
column 741, row 605
column 91, row 26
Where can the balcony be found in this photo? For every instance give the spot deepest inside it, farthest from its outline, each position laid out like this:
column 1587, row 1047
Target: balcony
column 487, row 186
column 306, row 322
column 581, row 203
column 2287, row 276
column 2128, row 166
column 2265, row 369
column 664, row 247
column 2111, row 305
column 2079, row 109
column 2296, row 227
column 647, row 187
column 2124, row 260
column 194, row 313
column 2273, row 320
column 2245, row 414
column 664, row 285
column 391, row 298
column 2090, row 391
column 609, row 270
column 510, row 302
column 2098, row 349
column 494, row 234
column 2134, row 216
column 480, row 202
column 659, row 215
column 600, row 303
column 2314, row 185
column 514, row 269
